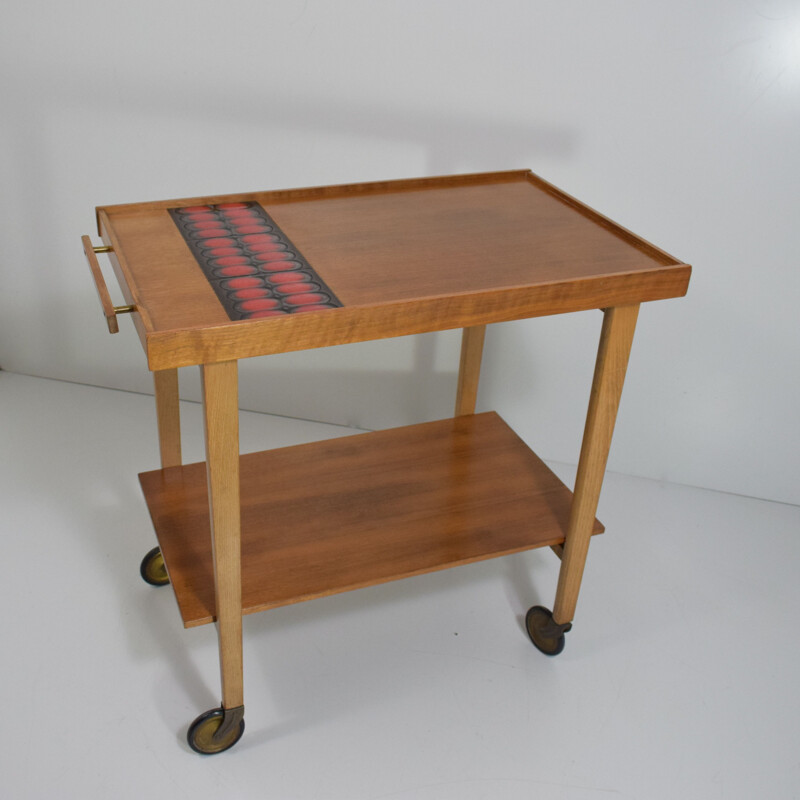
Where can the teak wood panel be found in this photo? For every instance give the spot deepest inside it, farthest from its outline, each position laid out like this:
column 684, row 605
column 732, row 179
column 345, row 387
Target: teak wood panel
column 332, row 516
column 450, row 252
column 445, row 241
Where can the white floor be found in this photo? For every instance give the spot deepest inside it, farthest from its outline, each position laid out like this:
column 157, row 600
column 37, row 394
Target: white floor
column 679, row 680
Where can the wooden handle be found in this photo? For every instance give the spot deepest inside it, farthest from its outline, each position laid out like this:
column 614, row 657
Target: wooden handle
column 110, row 311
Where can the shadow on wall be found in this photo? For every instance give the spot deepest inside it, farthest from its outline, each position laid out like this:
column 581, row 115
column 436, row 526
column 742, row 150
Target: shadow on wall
column 449, row 140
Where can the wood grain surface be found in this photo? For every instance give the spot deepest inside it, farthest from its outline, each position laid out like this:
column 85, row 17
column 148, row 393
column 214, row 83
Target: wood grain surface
column 221, row 418
column 469, row 369
column 403, row 257
column 168, row 416
column 336, row 515
column 616, row 338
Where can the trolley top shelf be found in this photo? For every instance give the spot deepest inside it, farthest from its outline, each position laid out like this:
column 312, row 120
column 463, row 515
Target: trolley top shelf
column 376, row 260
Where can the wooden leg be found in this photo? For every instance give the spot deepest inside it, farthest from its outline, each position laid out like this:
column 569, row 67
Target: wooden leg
column 609, row 375
column 469, row 369
column 168, row 415
column 220, row 406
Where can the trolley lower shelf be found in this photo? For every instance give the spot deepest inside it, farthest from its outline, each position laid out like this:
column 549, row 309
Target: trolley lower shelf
column 327, row 517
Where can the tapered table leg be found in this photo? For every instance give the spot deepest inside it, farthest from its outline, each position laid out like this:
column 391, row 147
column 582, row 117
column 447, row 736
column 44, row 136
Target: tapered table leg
column 469, row 369
column 612, row 361
column 219, row 729
column 220, row 405
column 168, row 416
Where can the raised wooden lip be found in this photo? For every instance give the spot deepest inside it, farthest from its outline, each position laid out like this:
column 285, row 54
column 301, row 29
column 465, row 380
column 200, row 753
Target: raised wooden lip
column 203, row 343
column 249, row 338
column 301, row 194
column 328, row 191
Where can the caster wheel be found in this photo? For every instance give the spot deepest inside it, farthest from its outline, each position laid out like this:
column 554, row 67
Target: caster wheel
column 545, row 632
column 153, row 570
column 201, row 733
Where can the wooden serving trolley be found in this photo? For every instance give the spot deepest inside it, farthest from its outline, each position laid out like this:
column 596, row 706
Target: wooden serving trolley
column 213, row 280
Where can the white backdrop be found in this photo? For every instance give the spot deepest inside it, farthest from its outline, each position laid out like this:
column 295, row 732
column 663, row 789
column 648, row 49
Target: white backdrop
column 678, row 119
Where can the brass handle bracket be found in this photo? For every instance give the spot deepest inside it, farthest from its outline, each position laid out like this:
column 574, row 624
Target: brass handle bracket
column 110, row 311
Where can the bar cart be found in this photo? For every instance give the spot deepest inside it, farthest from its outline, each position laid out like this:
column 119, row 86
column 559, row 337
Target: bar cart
column 216, row 279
